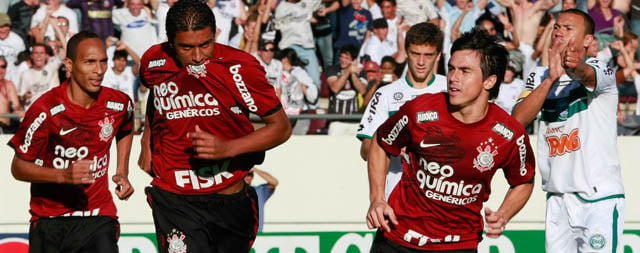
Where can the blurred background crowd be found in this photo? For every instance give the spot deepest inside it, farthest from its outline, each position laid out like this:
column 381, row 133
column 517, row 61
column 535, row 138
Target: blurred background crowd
column 321, row 56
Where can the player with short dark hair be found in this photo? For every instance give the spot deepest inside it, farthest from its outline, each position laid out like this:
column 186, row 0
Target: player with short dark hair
column 455, row 142
column 62, row 148
column 577, row 98
column 198, row 141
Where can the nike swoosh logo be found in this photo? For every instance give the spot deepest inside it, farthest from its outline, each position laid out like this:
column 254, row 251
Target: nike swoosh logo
column 424, row 145
column 65, row 132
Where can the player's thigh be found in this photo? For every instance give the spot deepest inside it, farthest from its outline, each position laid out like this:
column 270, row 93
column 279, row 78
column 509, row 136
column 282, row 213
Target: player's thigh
column 604, row 224
column 101, row 234
column 559, row 237
column 45, row 237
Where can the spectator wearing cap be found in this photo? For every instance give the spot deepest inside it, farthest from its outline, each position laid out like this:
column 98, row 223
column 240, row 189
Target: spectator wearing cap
column 272, row 67
column 11, row 44
column 21, row 14
column 374, row 79
column 378, row 45
column 511, row 87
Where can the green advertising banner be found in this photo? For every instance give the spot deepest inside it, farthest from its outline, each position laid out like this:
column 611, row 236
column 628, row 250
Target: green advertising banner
column 529, row 241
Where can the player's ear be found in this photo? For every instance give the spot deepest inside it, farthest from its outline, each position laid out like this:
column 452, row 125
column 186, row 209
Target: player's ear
column 489, row 82
column 68, row 64
column 586, row 43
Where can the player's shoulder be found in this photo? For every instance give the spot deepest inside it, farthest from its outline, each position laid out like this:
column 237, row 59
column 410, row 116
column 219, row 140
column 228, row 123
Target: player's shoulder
column 427, row 101
column 226, row 55
column 504, row 124
column 114, row 95
column 158, row 58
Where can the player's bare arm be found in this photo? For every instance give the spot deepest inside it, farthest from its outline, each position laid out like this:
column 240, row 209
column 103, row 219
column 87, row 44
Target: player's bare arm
column 514, row 200
column 380, row 214
column 364, row 148
column 144, row 160
column 526, row 110
column 276, row 131
column 121, row 178
column 77, row 173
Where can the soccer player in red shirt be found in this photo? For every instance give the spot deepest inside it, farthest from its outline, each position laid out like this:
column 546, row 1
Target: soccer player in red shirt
column 198, row 140
column 455, row 142
column 62, row 148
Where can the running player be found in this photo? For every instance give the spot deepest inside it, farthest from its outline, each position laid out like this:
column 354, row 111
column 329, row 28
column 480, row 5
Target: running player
column 455, row 141
column 62, row 148
column 423, row 47
column 198, row 140
column 577, row 146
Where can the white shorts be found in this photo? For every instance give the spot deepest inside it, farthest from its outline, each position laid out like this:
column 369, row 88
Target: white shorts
column 393, row 175
column 576, row 225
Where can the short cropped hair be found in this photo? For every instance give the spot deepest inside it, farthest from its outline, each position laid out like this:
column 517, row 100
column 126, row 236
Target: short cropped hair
column 72, row 45
column 589, row 25
column 189, row 15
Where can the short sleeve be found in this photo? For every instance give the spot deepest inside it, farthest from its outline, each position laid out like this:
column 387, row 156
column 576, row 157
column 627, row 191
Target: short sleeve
column 374, row 115
column 605, row 76
column 251, row 88
column 521, row 164
column 394, row 133
column 32, row 135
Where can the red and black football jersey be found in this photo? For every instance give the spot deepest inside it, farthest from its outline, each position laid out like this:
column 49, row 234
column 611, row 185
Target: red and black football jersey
column 217, row 96
column 449, row 171
column 56, row 132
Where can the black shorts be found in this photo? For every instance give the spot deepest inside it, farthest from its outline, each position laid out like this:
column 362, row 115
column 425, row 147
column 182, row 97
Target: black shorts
column 74, row 234
column 383, row 245
column 213, row 223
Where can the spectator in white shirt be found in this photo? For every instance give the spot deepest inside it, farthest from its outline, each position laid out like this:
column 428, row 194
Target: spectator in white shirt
column 54, row 8
column 378, row 46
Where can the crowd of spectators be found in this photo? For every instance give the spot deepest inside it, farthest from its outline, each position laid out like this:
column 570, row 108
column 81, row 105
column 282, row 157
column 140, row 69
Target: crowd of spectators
column 324, row 56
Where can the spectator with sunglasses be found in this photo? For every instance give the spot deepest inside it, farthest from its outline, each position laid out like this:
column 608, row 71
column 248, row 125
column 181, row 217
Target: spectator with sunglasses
column 272, row 66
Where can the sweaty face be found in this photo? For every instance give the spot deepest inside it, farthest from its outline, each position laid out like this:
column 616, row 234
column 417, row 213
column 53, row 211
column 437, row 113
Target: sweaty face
column 465, row 82
column 421, row 60
column 194, row 47
column 88, row 68
column 570, row 28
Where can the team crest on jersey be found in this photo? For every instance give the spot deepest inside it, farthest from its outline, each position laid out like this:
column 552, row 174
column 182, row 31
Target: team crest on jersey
column 198, row 71
column 107, row 128
column 486, row 151
column 597, row 241
column 57, row 109
column 176, row 242
column 398, row 95
column 427, row 116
